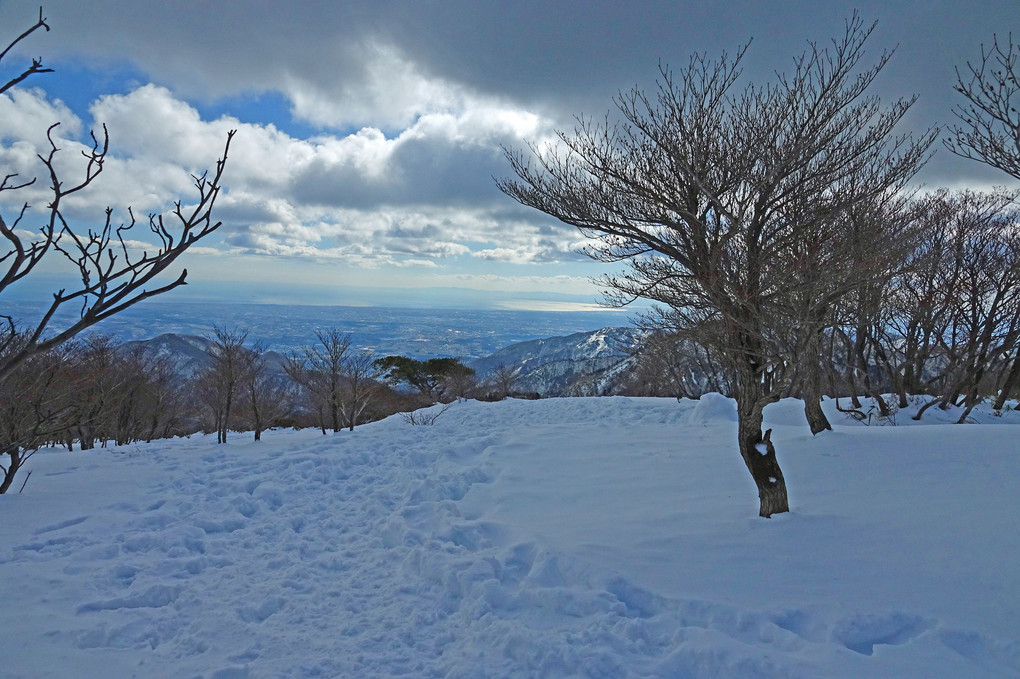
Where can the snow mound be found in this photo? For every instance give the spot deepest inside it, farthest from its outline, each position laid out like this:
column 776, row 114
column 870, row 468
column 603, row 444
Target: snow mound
column 712, row 408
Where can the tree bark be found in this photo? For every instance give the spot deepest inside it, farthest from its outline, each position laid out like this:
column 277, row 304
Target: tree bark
column 1008, row 385
column 760, row 457
column 925, row 407
column 811, row 385
column 815, row 417
column 12, row 470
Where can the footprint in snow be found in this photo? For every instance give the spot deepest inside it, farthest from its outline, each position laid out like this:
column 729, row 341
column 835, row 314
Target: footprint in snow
column 637, row 602
column 983, row 650
column 800, row 623
column 474, row 536
column 261, row 611
column 156, row 596
column 62, row 524
column 861, row 633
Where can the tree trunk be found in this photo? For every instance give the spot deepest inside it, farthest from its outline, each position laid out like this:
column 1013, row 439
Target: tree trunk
column 12, row 469
column 1008, row 385
column 923, row 408
column 760, row 457
column 903, row 402
column 227, row 410
column 334, row 414
column 815, row 417
column 152, row 428
column 812, row 386
column 883, row 407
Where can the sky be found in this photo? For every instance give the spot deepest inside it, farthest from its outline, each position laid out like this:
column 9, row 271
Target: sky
column 370, row 133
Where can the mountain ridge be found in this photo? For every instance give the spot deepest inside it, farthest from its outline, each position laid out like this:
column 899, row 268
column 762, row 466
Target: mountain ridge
column 578, row 364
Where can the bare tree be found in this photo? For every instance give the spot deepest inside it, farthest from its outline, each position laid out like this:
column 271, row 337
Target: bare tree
column 990, row 121
column 157, row 404
column 859, row 357
column 460, row 381
column 503, row 379
column 223, row 378
column 990, row 134
column 707, row 194
column 861, row 248
column 980, row 274
column 358, row 386
column 320, row 371
column 114, row 276
column 125, row 422
column 264, row 397
column 34, row 407
column 98, row 386
column 671, row 362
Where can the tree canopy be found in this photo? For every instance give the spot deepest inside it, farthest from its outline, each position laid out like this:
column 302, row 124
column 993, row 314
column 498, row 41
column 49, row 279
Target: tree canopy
column 429, row 377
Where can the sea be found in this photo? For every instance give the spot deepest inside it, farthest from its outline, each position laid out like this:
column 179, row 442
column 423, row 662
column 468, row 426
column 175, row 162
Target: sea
column 418, row 333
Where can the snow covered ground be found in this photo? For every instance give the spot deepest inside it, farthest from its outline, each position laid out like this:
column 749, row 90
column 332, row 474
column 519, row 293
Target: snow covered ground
column 606, row 537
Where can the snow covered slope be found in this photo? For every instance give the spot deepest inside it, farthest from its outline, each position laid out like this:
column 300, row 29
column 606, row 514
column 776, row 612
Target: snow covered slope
column 606, row 537
column 580, row 364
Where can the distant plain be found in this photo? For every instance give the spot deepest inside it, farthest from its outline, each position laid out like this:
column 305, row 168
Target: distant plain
column 419, row 333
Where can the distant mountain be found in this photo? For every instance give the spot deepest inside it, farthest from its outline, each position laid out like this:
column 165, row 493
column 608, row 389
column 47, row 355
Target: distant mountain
column 189, row 354
column 580, row 364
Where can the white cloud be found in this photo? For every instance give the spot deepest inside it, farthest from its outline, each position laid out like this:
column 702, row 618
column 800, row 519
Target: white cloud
column 384, row 88
column 25, row 114
column 25, row 119
column 422, row 196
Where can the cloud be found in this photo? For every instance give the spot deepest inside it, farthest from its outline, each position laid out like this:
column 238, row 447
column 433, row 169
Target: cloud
column 386, row 64
column 398, row 113
column 26, row 113
column 385, row 89
column 423, row 195
column 25, row 117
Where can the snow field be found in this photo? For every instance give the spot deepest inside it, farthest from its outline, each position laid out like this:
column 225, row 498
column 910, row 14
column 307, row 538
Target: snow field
column 607, row 537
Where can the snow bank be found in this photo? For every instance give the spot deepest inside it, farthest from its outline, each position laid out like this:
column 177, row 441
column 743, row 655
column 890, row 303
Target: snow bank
column 605, row 537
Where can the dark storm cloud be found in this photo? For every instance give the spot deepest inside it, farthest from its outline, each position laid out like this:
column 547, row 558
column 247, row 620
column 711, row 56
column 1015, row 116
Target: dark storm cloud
column 424, row 171
column 563, row 55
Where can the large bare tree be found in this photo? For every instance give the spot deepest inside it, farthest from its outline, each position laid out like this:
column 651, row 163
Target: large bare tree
column 989, row 132
column 725, row 203
column 113, row 274
column 989, row 128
